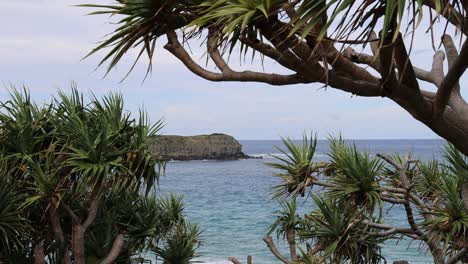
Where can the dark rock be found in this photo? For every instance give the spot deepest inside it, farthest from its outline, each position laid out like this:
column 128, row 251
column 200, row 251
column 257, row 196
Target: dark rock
column 212, row 147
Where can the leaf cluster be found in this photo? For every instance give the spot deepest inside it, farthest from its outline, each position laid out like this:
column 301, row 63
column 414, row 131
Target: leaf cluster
column 352, row 184
column 57, row 158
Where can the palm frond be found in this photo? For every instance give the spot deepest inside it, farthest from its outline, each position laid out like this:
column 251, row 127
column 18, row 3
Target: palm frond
column 180, row 247
column 338, row 232
column 142, row 23
column 287, row 218
column 356, row 176
column 297, row 167
column 450, row 218
column 357, row 20
column 13, row 225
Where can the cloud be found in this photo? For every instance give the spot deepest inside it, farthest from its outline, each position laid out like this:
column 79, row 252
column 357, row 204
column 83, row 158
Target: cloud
column 45, row 40
column 40, row 48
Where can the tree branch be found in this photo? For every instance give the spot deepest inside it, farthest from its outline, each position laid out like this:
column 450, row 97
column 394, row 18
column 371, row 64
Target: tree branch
column 391, row 230
column 74, row 217
column 436, row 75
column 403, row 63
column 345, row 76
column 234, row 260
column 214, row 53
column 177, row 50
column 57, row 228
column 38, row 253
column 374, row 62
column 269, row 241
column 362, row 58
column 452, row 55
column 387, row 66
column 340, row 63
column 450, row 80
column 115, row 250
column 459, row 256
column 450, row 49
column 393, row 200
column 287, row 60
column 92, row 212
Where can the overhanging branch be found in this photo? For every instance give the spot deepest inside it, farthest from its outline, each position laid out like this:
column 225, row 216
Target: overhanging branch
column 177, row 50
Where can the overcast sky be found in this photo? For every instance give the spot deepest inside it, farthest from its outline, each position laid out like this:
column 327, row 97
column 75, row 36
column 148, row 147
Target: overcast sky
column 42, row 43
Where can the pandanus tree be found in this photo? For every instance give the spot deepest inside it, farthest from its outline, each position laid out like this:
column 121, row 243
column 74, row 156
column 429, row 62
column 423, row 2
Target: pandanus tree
column 315, row 41
column 286, row 224
column 79, row 184
column 349, row 191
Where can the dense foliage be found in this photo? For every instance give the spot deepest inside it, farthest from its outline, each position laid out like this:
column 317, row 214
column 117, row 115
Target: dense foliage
column 78, row 184
column 144, row 21
column 360, row 47
column 350, row 191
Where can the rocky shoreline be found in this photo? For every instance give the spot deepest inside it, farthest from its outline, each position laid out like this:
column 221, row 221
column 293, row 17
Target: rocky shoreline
column 202, row 147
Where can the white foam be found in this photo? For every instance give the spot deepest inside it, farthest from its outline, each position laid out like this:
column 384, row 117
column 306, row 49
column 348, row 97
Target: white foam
column 267, row 155
column 281, row 155
column 215, row 262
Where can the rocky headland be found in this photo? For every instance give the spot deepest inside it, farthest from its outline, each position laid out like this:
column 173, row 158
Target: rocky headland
column 202, row 147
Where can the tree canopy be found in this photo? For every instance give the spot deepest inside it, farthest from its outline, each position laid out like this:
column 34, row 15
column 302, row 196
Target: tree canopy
column 314, row 40
column 78, row 185
column 353, row 194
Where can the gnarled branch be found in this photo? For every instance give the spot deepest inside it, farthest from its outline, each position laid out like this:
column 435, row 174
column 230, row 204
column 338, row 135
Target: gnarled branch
column 269, row 241
column 451, row 79
column 177, row 50
column 390, row 230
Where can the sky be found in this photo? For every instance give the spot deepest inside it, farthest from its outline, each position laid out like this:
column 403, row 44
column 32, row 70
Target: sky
column 43, row 42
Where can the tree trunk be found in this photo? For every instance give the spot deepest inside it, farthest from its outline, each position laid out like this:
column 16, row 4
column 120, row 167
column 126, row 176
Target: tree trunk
column 79, row 230
column 291, row 236
column 39, row 257
column 57, row 229
column 78, row 243
column 115, row 251
column 451, row 124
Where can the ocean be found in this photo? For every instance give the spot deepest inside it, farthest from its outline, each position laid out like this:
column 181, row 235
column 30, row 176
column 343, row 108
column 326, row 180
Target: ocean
column 231, row 200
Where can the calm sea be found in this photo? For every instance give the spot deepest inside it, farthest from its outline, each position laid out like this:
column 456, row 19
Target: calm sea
column 231, row 200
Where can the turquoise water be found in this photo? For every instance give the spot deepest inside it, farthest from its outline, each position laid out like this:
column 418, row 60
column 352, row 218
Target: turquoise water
column 231, row 200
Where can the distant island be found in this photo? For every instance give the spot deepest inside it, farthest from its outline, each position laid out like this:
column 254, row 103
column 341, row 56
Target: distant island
column 202, row 147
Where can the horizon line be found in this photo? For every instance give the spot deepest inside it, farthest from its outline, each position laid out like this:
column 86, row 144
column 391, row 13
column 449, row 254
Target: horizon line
column 439, row 139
